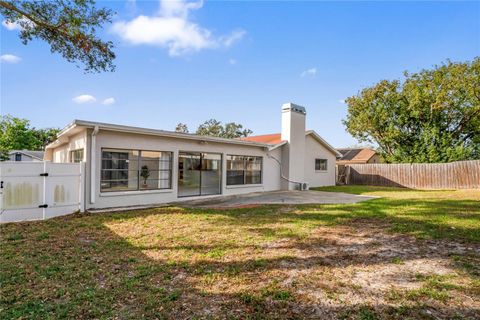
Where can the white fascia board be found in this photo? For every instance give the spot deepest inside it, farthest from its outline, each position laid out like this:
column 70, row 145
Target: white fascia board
column 276, row 146
column 128, row 129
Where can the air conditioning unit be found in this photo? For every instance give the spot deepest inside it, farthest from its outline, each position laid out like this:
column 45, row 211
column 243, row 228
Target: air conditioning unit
column 303, row 186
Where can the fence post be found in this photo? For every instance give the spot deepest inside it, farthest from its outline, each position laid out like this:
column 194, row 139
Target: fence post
column 44, row 210
column 347, row 174
column 81, row 188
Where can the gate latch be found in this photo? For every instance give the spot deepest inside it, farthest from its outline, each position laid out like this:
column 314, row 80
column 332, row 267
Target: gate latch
column 44, row 174
column 43, row 206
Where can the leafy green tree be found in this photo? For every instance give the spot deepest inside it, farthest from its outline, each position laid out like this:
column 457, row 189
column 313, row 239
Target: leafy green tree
column 430, row 116
column 16, row 134
column 211, row 128
column 215, row 128
column 182, row 128
column 235, row 130
column 68, row 26
column 45, row 136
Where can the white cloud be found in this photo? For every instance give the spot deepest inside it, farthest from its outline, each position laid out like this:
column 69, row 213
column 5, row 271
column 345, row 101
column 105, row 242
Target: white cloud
column 232, row 61
column 171, row 28
column 232, row 38
column 108, row 101
column 341, row 101
column 10, row 58
column 18, row 24
column 84, row 98
column 312, row 72
column 11, row 25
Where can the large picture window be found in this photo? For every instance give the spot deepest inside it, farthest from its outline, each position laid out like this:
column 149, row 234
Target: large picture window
column 321, row 164
column 244, row 170
column 124, row 170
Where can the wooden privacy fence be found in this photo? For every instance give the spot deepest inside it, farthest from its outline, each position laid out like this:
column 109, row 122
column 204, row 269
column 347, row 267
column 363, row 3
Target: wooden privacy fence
column 453, row 175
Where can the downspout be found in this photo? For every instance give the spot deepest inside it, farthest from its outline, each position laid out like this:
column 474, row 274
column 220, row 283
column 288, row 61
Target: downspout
column 281, row 171
column 93, row 164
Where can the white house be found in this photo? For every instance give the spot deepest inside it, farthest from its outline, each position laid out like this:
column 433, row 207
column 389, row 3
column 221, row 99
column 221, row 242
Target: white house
column 128, row 166
column 25, row 155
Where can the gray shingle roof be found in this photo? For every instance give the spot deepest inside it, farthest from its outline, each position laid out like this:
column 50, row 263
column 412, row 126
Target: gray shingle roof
column 31, row 153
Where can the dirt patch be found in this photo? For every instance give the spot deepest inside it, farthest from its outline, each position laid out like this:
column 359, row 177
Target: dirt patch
column 337, row 272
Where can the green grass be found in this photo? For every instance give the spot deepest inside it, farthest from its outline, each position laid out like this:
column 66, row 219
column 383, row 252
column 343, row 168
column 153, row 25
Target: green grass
column 425, row 214
column 238, row 263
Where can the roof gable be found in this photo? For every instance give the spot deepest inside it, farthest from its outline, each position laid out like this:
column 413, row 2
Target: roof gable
column 275, row 139
column 31, row 153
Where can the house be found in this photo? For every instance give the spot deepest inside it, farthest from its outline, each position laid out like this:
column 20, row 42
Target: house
column 25, row 155
column 128, row 166
column 358, row 156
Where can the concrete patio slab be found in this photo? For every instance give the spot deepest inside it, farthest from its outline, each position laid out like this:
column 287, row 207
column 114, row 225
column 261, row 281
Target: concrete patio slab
column 276, row 197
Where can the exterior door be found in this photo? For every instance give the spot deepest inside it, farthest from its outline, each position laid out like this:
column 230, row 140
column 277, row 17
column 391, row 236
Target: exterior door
column 199, row 174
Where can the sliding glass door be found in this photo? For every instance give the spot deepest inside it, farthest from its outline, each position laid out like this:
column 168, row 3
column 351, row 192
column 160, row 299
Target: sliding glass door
column 199, row 174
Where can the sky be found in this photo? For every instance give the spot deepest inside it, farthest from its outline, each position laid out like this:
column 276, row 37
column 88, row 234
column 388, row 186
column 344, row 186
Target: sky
column 236, row 61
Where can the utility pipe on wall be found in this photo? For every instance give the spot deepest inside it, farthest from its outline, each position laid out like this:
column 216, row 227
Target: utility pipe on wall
column 281, row 171
column 93, row 150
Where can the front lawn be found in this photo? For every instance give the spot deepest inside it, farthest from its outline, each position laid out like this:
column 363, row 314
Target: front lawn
column 408, row 254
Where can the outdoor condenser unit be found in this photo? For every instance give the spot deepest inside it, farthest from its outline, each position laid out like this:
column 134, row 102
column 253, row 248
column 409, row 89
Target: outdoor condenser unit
column 303, row 186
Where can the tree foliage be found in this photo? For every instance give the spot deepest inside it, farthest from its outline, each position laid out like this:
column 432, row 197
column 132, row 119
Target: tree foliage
column 69, row 27
column 182, row 128
column 16, row 134
column 214, row 128
column 431, row 116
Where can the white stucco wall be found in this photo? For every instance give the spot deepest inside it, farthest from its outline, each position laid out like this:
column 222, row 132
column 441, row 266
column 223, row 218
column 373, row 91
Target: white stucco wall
column 78, row 141
column 271, row 178
column 315, row 150
column 118, row 140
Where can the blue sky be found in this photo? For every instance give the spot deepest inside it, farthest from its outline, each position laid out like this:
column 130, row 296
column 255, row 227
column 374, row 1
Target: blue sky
column 237, row 61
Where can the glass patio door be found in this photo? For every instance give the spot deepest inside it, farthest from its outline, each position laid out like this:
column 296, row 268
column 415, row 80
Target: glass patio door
column 199, row 174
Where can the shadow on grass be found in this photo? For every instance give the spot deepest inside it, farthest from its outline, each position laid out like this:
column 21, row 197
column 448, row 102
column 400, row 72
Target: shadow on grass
column 451, row 219
column 77, row 267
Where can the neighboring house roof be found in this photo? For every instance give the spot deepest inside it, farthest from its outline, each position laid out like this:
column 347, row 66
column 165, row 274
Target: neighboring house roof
column 34, row 154
column 77, row 125
column 356, row 155
column 276, row 139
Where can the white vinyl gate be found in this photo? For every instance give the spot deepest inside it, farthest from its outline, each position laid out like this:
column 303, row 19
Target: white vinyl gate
column 40, row 190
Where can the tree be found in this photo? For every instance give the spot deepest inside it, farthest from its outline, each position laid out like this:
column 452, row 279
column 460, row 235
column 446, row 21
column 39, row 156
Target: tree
column 46, row 136
column 215, row 128
column 181, row 127
column 211, row 128
column 68, row 26
column 235, row 130
column 431, row 116
column 16, row 134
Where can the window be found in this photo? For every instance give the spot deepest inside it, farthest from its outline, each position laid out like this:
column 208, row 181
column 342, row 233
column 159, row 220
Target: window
column 126, row 170
column 244, row 170
column 18, row 157
column 76, row 155
column 320, row 164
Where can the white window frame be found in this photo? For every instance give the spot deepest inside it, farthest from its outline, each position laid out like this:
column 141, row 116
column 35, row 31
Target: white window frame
column 72, row 152
column 138, row 169
column 326, row 165
column 244, row 170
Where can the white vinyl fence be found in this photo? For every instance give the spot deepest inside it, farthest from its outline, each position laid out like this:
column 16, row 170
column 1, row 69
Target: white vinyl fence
column 40, row 190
